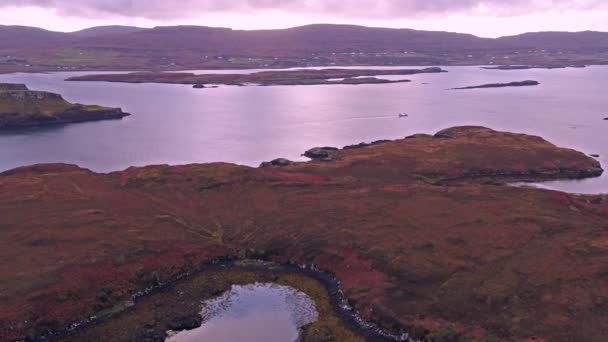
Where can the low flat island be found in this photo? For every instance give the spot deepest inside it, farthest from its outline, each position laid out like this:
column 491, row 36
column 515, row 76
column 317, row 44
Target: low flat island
column 263, row 78
column 502, row 85
column 22, row 108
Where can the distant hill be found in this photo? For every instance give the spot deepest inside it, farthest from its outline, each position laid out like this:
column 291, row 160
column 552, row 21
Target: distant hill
column 321, row 38
column 107, row 30
column 19, row 37
column 113, row 47
column 290, row 42
column 587, row 41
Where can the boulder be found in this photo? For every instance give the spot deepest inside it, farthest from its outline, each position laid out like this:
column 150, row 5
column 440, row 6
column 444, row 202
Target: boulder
column 361, row 145
column 187, row 322
column 442, row 135
column 277, row 162
column 418, row 136
column 322, row 153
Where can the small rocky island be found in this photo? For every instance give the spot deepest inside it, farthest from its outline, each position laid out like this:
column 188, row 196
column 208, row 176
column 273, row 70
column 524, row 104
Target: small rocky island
column 502, row 85
column 263, row 78
column 21, row 108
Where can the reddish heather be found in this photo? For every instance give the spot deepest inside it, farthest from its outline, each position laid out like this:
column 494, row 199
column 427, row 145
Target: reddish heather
column 419, row 232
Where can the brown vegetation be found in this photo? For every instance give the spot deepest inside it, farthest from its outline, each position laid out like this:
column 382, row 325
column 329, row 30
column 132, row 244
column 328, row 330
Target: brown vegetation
column 422, row 233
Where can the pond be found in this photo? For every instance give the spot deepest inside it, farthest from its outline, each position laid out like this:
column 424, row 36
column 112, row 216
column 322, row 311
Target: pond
column 256, row 312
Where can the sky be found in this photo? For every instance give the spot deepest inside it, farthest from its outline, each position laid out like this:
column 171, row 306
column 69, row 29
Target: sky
column 484, row 18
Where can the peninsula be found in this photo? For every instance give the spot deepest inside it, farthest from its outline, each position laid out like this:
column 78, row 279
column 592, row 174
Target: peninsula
column 22, row 108
column 423, row 235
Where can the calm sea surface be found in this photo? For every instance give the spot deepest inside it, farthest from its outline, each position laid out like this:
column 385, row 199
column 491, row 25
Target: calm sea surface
column 174, row 124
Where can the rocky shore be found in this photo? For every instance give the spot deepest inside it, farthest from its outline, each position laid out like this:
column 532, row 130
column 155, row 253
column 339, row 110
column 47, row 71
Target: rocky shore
column 24, row 108
column 423, row 235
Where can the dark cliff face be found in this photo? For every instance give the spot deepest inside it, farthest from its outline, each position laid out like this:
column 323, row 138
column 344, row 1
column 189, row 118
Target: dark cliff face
column 12, row 87
column 421, row 233
column 21, row 108
column 25, row 95
column 71, row 115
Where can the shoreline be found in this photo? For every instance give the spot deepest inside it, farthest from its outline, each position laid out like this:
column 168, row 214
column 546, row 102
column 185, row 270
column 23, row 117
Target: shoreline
column 369, row 330
column 499, row 67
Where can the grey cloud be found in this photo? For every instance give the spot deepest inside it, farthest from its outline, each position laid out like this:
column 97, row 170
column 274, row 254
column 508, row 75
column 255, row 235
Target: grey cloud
column 166, row 9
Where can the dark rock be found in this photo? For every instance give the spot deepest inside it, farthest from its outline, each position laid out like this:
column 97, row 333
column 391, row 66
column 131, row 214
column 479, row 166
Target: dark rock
column 442, row 135
column 361, row 145
column 187, row 322
column 277, row 162
column 149, row 335
column 597, row 200
column 77, row 113
column 322, row 153
column 12, row 87
column 104, row 299
column 419, row 136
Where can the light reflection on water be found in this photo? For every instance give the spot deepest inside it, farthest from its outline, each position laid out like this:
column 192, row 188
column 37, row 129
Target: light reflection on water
column 174, row 124
column 257, row 313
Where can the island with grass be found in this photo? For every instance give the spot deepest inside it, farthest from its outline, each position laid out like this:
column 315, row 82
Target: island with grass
column 526, row 83
column 263, row 78
column 21, row 107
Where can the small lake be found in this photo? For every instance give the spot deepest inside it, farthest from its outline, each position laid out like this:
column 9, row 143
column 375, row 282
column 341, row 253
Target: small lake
column 256, row 313
column 175, row 124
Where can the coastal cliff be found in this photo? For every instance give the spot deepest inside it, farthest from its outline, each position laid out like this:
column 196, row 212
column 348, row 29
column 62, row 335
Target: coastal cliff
column 22, row 108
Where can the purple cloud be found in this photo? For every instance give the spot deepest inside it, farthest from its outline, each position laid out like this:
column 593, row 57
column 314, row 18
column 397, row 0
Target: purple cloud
column 370, row 9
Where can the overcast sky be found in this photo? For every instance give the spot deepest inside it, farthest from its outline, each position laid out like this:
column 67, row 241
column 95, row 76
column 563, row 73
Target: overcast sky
column 486, row 18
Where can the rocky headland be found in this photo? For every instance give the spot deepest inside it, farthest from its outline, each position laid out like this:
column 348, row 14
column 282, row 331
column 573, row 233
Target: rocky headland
column 423, row 235
column 23, row 108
